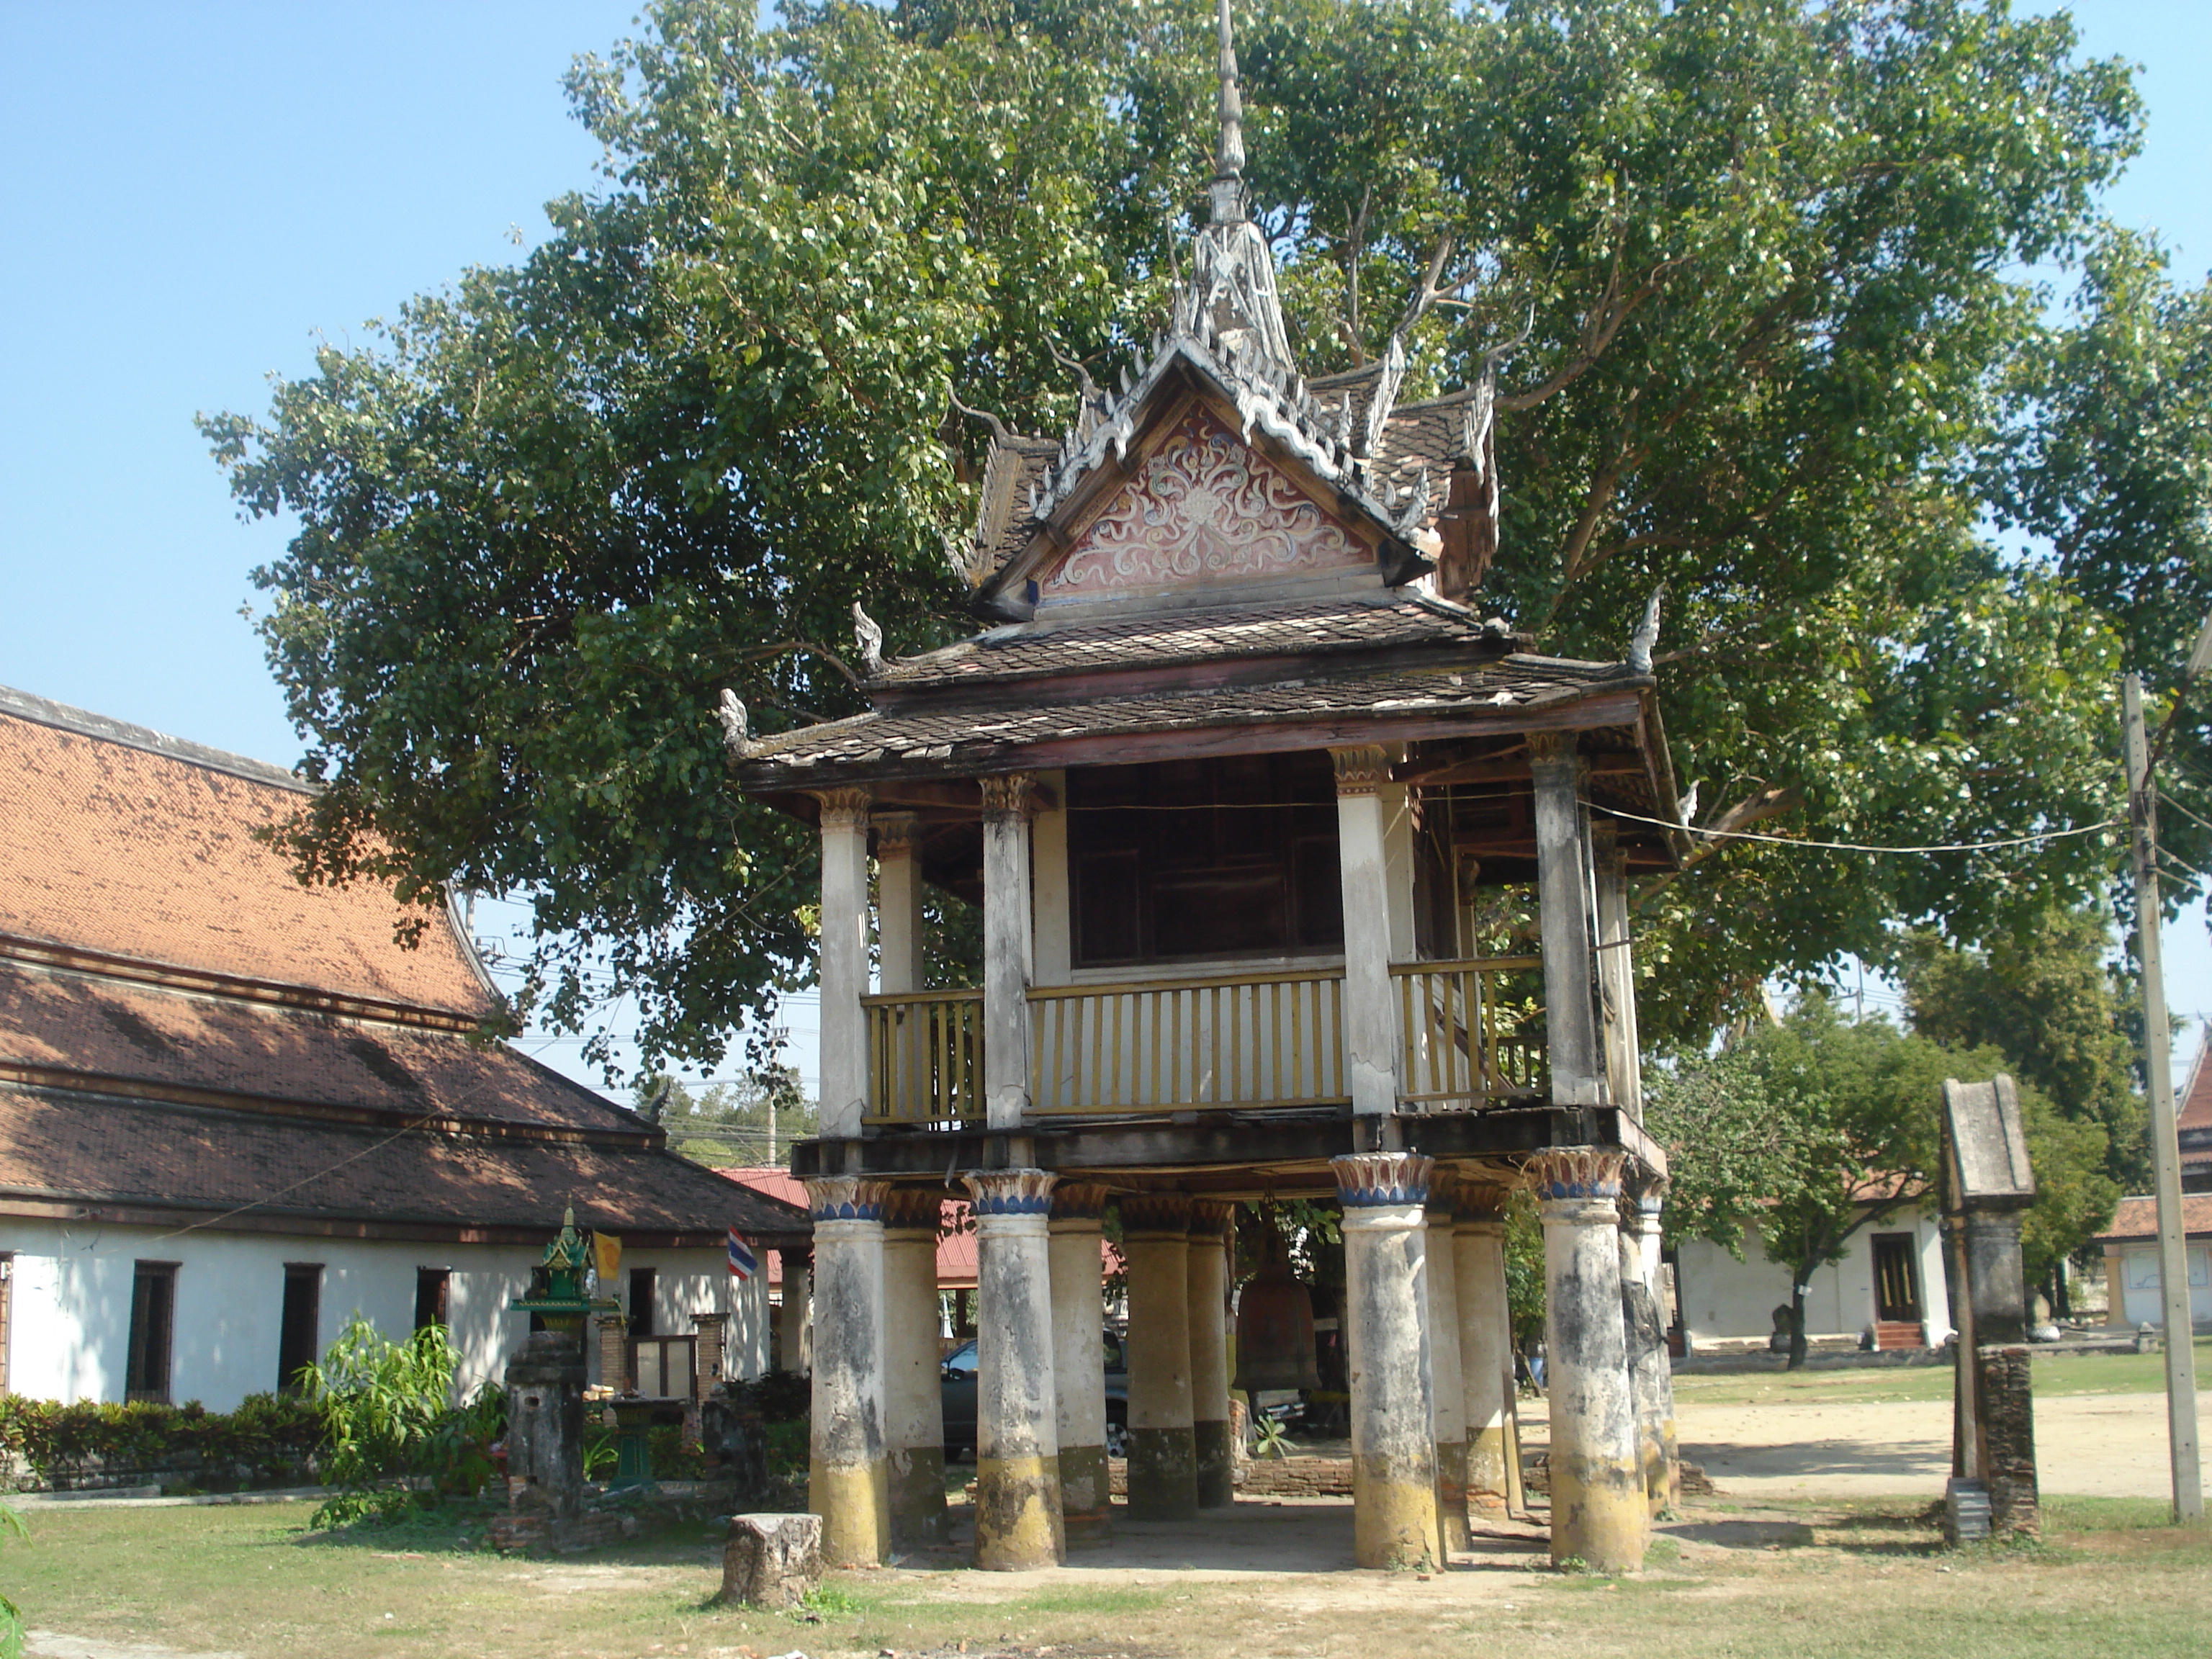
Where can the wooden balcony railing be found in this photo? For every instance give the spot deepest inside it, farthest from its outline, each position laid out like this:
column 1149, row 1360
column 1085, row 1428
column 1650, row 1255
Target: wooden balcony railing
column 926, row 1058
column 1243, row 1042
column 1464, row 1040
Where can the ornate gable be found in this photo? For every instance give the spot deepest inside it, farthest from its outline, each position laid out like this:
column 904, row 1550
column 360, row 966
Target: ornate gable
column 1203, row 507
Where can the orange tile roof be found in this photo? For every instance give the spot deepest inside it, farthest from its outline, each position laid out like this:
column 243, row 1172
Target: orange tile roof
column 2197, row 1105
column 2138, row 1218
column 130, row 844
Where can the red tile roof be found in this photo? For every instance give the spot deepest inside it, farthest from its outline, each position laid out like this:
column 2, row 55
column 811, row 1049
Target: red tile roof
column 128, row 843
column 2138, row 1218
column 2196, row 1104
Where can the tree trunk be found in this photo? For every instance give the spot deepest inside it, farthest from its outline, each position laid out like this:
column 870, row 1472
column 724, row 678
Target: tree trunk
column 1798, row 1347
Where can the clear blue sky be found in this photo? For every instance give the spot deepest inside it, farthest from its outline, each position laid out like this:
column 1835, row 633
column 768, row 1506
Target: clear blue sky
column 199, row 191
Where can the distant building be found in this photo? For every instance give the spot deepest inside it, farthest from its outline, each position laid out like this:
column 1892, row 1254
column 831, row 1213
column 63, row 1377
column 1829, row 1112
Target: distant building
column 2132, row 1274
column 1890, row 1281
column 233, row 1111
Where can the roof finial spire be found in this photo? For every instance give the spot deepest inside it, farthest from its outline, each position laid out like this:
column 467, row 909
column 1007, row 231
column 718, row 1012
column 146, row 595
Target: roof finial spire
column 1228, row 189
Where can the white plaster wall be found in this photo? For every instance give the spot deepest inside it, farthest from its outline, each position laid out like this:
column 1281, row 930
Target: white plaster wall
column 69, row 1328
column 1724, row 1299
column 2142, row 1285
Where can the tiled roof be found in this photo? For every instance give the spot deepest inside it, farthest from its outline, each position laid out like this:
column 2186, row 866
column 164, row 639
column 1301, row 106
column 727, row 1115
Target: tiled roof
column 1216, row 634
column 97, row 1027
column 960, row 734
column 97, row 1150
column 2138, row 1217
column 2197, row 1105
column 124, row 843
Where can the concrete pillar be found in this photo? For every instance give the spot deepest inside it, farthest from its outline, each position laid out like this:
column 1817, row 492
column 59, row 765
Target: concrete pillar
column 898, row 901
column 1652, row 1371
column 545, row 1427
column 1564, row 906
column 1446, row 1383
column 1616, row 972
column 795, row 1318
column 1393, row 1456
column 848, row 1481
column 1007, row 946
column 914, row 1400
column 1078, row 1355
column 1371, row 1017
column 1163, row 1451
column 1486, row 1342
column 611, row 1332
column 1598, row 1513
column 844, row 961
column 1019, row 1523
column 1213, row 1448
column 712, row 1332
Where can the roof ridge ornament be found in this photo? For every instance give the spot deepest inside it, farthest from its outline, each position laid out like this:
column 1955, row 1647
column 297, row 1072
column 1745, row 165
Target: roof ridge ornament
column 1228, row 188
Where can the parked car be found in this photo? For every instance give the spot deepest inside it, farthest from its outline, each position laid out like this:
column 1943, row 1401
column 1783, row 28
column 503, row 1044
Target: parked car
column 959, row 1399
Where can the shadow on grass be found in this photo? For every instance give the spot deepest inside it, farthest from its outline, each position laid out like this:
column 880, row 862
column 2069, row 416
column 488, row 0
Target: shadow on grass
column 461, row 1529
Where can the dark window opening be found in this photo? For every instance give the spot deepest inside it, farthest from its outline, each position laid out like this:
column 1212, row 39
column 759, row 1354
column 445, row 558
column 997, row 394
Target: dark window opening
column 434, row 1289
column 297, row 1338
column 641, row 1301
column 1181, row 860
column 153, row 1322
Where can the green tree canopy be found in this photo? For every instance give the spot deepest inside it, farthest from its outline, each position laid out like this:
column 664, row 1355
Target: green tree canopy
column 1766, row 257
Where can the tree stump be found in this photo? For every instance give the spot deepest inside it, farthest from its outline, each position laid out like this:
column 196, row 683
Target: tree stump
column 772, row 1560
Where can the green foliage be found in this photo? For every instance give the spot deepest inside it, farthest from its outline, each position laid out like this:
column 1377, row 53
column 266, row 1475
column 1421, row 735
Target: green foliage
column 1767, row 255
column 395, row 1438
column 727, row 1124
column 11, row 1616
column 1524, row 1269
column 1271, row 1438
column 271, row 1438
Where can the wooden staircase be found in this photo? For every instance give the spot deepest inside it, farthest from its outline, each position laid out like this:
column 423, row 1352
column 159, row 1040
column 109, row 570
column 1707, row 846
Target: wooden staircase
column 1891, row 1334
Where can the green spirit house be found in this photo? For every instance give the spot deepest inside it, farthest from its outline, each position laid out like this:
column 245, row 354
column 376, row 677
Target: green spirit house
column 1231, row 776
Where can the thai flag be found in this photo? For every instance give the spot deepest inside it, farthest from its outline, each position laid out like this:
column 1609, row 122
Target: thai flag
column 742, row 1265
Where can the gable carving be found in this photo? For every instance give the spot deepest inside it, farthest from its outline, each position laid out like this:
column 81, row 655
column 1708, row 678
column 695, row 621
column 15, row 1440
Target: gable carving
column 1203, row 507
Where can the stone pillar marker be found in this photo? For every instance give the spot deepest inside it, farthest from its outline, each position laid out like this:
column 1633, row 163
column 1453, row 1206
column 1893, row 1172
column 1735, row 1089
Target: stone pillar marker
column 1370, row 1017
column 1485, row 1340
column 1163, row 1449
column 1007, row 944
column 1018, row 1522
column 772, row 1560
column 1446, row 1383
column 1651, row 1370
column 1213, row 1442
column 1599, row 1514
column 914, row 1404
column 794, row 1318
column 1394, row 1455
column 844, row 961
column 1078, row 1355
column 848, row 1481
column 1564, row 904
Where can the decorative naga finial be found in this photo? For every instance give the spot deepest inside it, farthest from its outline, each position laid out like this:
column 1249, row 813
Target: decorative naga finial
column 869, row 636
column 735, row 736
column 1228, row 187
column 1647, row 633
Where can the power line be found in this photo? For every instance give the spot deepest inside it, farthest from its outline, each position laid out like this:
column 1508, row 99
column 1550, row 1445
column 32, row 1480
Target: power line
column 1860, row 847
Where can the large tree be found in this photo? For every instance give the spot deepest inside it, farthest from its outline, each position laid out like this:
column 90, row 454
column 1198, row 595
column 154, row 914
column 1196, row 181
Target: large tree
column 1763, row 261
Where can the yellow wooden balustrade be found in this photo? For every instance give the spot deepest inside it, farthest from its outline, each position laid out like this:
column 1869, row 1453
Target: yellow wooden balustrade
column 1463, row 1042
column 925, row 1058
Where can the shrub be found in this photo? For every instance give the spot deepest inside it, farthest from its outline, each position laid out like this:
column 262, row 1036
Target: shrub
column 268, row 1437
column 394, row 1437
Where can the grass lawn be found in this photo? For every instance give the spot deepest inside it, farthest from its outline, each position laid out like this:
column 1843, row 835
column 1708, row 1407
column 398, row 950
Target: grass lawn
column 2055, row 1374
column 1864, row 1580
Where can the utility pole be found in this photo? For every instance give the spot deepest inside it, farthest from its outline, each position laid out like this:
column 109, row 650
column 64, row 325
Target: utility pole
column 2166, row 1151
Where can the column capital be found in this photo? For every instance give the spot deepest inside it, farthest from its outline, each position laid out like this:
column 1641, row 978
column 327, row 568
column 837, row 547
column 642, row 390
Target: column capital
column 914, row 1209
column 1480, row 1203
column 1361, row 769
column 844, row 1198
column 1008, row 796
column 1079, row 1201
column 1576, row 1174
column 1155, row 1215
column 1374, row 1180
column 844, row 809
column 895, row 832
column 1210, row 1218
column 795, row 1256
column 1555, row 752
column 1010, row 1192
column 1647, row 1192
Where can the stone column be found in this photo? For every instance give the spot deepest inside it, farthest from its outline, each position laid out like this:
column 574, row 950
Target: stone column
column 1078, row 1355
column 1213, row 1448
column 1616, row 972
column 1018, row 1522
column 1652, row 1371
column 844, row 962
column 848, row 1482
column 1598, row 1513
column 1486, row 1342
column 712, row 1332
column 1163, row 1452
column 1564, row 905
column 1371, row 1017
column 795, row 1319
column 914, row 1400
column 1446, row 1383
column 898, row 901
column 1007, row 944
column 545, row 1427
column 613, row 1331
column 1393, row 1456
